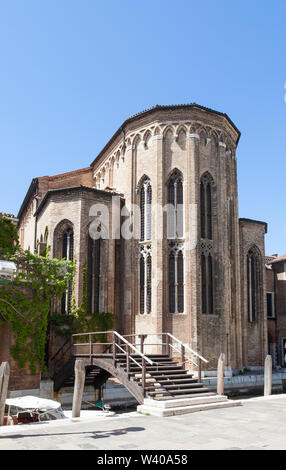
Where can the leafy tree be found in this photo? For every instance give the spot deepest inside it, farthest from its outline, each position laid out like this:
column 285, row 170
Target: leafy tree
column 9, row 241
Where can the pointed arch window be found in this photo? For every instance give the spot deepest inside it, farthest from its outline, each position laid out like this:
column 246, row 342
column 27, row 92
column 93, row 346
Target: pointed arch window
column 93, row 274
column 176, row 201
column 207, row 283
column 252, row 263
column 207, row 246
column 176, row 244
column 206, row 202
column 146, row 210
column 145, row 248
column 68, row 254
column 176, row 278
column 145, row 273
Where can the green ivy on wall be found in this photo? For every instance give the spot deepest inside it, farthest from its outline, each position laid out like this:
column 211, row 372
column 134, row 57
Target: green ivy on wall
column 81, row 320
column 9, row 241
column 25, row 304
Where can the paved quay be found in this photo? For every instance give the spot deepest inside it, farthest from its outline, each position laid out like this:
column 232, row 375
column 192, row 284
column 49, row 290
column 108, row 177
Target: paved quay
column 259, row 424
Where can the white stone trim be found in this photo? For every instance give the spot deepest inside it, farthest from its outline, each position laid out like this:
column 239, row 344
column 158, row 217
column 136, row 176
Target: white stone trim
column 194, row 136
column 222, row 144
column 157, row 137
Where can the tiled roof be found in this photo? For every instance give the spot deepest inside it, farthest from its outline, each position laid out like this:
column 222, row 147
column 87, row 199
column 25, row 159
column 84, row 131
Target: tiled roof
column 72, row 188
column 5, row 214
column 278, row 259
column 67, row 173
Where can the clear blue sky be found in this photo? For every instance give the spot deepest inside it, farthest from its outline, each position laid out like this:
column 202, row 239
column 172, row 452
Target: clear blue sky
column 73, row 71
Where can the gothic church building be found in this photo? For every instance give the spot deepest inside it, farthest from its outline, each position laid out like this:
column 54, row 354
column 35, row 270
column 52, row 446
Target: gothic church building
column 204, row 283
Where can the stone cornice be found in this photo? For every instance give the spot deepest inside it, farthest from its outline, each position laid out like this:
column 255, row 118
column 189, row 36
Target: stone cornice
column 156, row 130
column 199, row 113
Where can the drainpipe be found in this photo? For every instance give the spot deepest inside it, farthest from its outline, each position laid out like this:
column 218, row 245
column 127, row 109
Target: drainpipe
column 36, row 220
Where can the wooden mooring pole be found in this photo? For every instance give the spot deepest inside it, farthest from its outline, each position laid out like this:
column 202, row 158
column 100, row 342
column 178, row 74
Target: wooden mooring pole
column 268, row 375
column 79, row 370
column 220, row 374
column 4, row 381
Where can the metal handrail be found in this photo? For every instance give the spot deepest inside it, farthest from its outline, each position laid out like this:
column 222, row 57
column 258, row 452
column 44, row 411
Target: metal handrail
column 132, row 358
column 188, row 359
column 177, row 341
column 86, row 344
column 119, row 336
column 93, row 333
column 133, row 347
column 187, row 347
column 184, row 347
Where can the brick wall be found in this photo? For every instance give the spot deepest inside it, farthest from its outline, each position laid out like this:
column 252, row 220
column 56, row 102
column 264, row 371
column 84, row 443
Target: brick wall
column 20, row 377
column 254, row 334
column 279, row 270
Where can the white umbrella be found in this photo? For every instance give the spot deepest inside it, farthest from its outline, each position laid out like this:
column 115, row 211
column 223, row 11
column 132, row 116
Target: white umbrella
column 33, row 403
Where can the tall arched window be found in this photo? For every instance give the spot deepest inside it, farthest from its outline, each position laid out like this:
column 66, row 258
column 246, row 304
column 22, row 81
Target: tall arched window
column 176, row 201
column 253, row 271
column 145, row 273
column 176, row 278
column 67, row 253
column 145, row 250
column 146, row 210
column 176, row 245
column 93, row 274
column 207, row 283
column 206, row 206
column 207, row 248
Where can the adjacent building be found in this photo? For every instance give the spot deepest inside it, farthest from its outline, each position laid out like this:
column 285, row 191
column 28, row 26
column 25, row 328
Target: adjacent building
column 276, row 308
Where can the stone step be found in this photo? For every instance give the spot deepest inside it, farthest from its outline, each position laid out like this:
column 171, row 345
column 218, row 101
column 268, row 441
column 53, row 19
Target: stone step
column 161, row 367
column 169, row 398
column 184, row 401
column 154, row 359
column 162, row 412
column 176, row 376
column 159, row 386
column 167, row 381
column 179, row 392
column 185, row 405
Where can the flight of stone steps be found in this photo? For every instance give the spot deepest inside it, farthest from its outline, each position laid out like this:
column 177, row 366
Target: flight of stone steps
column 172, row 390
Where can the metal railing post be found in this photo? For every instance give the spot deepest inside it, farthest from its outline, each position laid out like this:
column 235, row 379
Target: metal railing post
column 90, row 348
column 142, row 343
column 200, row 370
column 168, row 344
column 128, row 360
column 114, row 350
column 183, row 355
column 143, row 375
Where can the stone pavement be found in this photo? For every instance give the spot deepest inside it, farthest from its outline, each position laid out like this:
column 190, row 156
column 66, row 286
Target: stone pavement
column 259, row 424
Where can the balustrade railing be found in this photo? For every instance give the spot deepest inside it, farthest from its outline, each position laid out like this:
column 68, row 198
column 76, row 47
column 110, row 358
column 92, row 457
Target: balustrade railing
column 128, row 350
column 171, row 346
column 118, row 343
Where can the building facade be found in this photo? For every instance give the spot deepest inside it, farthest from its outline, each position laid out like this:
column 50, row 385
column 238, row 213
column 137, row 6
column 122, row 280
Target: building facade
column 172, row 254
column 276, row 308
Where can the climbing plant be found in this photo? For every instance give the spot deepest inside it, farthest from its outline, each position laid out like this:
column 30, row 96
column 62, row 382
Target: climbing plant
column 9, row 242
column 80, row 320
column 25, row 303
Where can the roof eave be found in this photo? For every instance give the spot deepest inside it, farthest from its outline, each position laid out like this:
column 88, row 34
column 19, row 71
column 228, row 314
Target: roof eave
column 32, row 189
column 163, row 107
